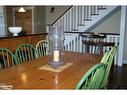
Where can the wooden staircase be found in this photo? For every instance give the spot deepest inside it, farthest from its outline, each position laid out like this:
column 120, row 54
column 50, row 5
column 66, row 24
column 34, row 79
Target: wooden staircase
column 79, row 19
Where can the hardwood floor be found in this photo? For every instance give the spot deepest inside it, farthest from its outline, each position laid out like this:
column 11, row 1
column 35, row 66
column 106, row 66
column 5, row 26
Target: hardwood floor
column 118, row 78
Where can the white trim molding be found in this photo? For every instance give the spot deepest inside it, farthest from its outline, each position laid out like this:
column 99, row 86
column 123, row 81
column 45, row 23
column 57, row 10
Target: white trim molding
column 122, row 32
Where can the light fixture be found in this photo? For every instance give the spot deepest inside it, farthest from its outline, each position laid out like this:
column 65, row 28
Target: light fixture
column 21, row 9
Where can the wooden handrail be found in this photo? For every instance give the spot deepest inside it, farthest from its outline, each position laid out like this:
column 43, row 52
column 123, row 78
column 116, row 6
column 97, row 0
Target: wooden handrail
column 59, row 17
column 92, row 33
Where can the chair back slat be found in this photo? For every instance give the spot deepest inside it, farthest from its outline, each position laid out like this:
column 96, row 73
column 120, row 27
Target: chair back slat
column 7, row 58
column 42, row 48
column 25, row 52
column 3, row 58
column 108, row 61
column 93, row 78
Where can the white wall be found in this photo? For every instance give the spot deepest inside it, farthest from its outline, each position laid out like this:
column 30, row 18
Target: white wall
column 111, row 25
column 58, row 11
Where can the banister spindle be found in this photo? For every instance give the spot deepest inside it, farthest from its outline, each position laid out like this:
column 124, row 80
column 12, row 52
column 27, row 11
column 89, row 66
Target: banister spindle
column 76, row 18
column 72, row 19
column 66, row 22
column 78, row 15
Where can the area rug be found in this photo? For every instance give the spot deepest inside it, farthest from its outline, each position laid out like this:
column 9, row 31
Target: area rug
column 59, row 69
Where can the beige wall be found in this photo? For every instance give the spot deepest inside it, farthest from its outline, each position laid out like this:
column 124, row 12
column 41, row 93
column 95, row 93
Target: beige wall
column 58, row 11
column 125, row 47
column 111, row 25
column 40, row 19
column 43, row 16
column 125, row 43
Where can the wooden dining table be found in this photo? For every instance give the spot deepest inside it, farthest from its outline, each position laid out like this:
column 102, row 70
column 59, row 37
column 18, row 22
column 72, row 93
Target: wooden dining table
column 28, row 76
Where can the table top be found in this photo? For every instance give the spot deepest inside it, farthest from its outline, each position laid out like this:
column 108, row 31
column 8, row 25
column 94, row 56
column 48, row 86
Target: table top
column 28, row 76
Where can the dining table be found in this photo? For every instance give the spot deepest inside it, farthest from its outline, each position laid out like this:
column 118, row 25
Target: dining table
column 27, row 75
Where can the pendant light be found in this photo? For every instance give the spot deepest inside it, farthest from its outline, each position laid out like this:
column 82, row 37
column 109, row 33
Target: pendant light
column 21, row 9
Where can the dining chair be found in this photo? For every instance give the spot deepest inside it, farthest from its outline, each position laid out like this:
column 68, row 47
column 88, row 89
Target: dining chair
column 108, row 61
column 25, row 52
column 93, row 78
column 42, row 48
column 91, row 43
column 7, row 58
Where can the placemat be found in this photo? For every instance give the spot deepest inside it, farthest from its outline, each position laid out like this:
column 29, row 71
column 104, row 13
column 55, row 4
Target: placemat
column 59, row 69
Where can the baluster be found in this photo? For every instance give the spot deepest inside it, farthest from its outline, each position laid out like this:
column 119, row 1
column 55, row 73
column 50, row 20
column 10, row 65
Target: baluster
column 88, row 13
column 70, row 46
column 76, row 44
column 64, row 18
column 83, row 16
column 76, row 18
column 96, row 10
column 72, row 17
column 66, row 23
column 91, row 10
column 61, row 22
column 78, row 40
column 80, row 44
column 85, row 13
column 78, row 14
column 69, row 30
column 73, row 45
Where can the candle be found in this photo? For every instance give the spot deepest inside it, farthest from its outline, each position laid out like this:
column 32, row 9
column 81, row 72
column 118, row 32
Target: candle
column 56, row 56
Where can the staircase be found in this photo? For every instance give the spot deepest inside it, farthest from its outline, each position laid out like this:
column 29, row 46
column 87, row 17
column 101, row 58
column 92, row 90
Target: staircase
column 82, row 19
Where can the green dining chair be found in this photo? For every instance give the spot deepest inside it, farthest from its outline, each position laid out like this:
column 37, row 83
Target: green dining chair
column 42, row 48
column 93, row 78
column 25, row 52
column 7, row 58
column 108, row 61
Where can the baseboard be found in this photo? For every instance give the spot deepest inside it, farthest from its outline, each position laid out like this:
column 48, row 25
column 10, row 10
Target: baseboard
column 124, row 61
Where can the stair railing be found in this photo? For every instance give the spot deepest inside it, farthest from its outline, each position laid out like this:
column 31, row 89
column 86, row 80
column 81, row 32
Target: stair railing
column 76, row 16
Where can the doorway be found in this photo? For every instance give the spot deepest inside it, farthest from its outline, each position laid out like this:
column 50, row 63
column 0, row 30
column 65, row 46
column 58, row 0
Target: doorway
column 24, row 20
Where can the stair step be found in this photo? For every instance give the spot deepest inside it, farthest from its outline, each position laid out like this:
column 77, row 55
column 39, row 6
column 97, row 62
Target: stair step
column 67, row 31
column 87, row 19
column 74, row 29
column 81, row 24
column 94, row 14
column 102, row 8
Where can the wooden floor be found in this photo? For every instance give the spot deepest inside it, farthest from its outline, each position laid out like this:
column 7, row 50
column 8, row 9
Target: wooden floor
column 118, row 78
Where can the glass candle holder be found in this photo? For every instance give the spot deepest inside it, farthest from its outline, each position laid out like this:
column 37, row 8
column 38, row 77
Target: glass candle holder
column 56, row 46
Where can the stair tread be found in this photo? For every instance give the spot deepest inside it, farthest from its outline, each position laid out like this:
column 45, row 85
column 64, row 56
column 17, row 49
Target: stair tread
column 67, row 31
column 74, row 29
column 87, row 19
column 81, row 24
column 94, row 14
column 102, row 8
